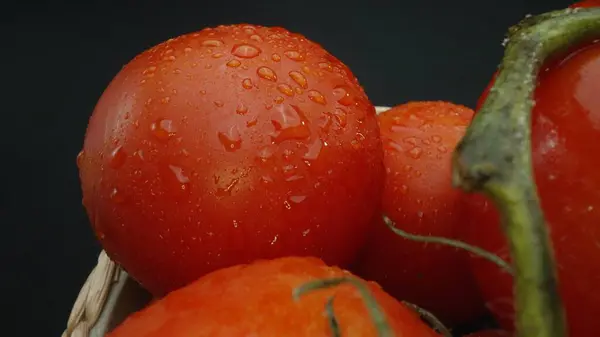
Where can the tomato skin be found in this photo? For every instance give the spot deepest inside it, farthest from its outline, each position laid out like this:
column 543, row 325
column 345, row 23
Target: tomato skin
column 586, row 4
column 227, row 145
column 490, row 333
column 418, row 140
column 564, row 139
column 256, row 300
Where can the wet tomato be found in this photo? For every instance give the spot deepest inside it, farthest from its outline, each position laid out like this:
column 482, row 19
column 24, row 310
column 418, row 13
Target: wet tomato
column 586, row 4
column 565, row 132
column 256, row 300
column 227, row 145
column 418, row 140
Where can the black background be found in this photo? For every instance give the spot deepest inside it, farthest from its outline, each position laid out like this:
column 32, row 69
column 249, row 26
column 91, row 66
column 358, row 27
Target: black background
column 56, row 59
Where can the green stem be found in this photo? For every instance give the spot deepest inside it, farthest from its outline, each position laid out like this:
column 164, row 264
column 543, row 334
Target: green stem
column 451, row 243
column 373, row 308
column 494, row 157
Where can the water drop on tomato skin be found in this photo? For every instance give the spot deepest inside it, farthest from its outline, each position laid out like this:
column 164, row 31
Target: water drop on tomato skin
column 241, row 109
column 212, row 43
column 247, row 83
column 266, row 73
column 342, row 95
column 297, row 198
column 234, row 63
column 286, row 90
column 231, row 139
column 246, row 51
column 219, row 103
column 116, row 196
column 80, row 158
column 317, row 97
column 289, row 123
column 163, row 129
column 275, row 57
column 415, row 152
column 294, row 55
column 299, row 79
column 117, row 157
column 314, row 150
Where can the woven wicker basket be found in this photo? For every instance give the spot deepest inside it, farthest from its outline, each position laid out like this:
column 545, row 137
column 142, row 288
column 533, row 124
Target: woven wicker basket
column 108, row 296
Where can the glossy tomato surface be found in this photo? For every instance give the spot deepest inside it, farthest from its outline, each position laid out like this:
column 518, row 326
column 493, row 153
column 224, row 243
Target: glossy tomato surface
column 256, row 300
column 565, row 133
column 586, row 4
column 418, row 140
column 227, row 145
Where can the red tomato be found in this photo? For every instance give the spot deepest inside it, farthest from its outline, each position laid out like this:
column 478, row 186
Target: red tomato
column 256, row 300
column 586, row 4
column 418, row 140
column 227, row 145
column 564, row 139
column 490, row 333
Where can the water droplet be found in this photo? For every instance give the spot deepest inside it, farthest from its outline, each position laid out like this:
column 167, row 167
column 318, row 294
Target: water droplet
column 256, row 38
column 241, row 109
column 231, row 138
column 326, row 66
column 117, row 157
column 342, row 95
column 316, row 97
column 306, row 69
column 314, row 149
column 235, row 224
column 246, row 51
column 219, row 103
column 415, row 152
column 226, row 191
column 265, row 153
column 212, row 43
column 179, row 175
column 247, row 83
column 357, row 141
column 278, row 100
column 252, row 122
column 266, row 180
column 163, row 129
column 294, row 55
column 234, row 63
column 266, row 73
column 410, row 140
column 116, row 196
column 285, row 89
column 436, row 139
column 275, row 238
column 80, row 158
column 341, row 117
column 287, row 205
column 289, row 123
column 217, row 55
column 404, row 189
column 299, row 79
column 276, row 57
column 297, row 198
column 442, row 149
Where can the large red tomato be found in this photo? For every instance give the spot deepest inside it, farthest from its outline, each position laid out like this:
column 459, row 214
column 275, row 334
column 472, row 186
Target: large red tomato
column 227, row 145
column 565, row 137
column 586, row 4
column 256, row 300
column 418, row 140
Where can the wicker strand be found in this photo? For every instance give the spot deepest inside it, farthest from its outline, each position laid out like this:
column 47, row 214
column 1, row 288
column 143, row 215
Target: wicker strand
column 91, row 298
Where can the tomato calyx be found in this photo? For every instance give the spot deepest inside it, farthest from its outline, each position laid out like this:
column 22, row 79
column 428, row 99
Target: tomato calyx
column 379, row 320
column 494, row 158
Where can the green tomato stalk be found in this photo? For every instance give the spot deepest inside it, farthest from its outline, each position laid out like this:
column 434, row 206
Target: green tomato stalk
column 494, row 158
